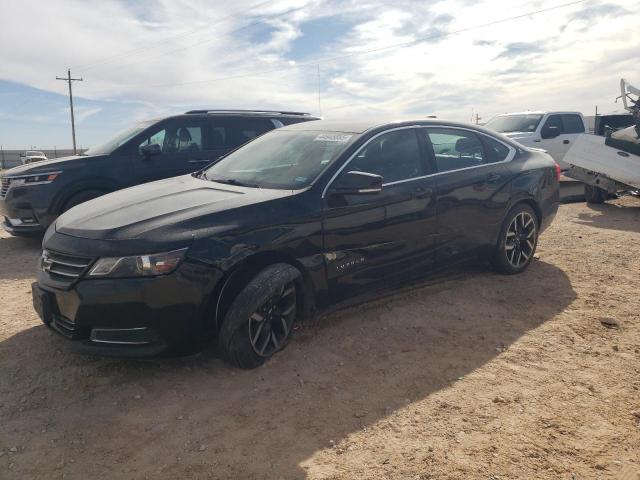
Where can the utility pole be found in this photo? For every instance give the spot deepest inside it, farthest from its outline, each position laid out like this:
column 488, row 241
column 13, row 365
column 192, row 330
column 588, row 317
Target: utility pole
column 2, row 159
column 319, row 104
column 478, row 118
column 68, row 79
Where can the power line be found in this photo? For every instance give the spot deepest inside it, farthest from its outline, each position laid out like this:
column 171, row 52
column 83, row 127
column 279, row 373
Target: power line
column 142, row 49
column 206, row 40
column 90, row 66
column 373, row 50
column 69, row 80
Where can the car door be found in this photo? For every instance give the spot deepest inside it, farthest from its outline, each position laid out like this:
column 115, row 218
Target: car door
column 472, row 188
column 180, row 149
column 370, row 238
column 558, row 133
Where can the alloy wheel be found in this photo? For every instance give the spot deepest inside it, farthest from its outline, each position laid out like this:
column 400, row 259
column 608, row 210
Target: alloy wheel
column 270, row 324
column 520, row 239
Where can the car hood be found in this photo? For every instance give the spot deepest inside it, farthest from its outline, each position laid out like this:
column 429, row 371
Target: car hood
column 170, row 210
column 48, row 166
column 519, row 135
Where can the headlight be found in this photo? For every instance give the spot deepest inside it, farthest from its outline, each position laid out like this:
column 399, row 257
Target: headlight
column 138, row 266
column 35, row 179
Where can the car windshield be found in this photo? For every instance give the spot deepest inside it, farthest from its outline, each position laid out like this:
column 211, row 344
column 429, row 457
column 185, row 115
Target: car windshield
column 280, row 159
column 514, row 123
column 32, row 153
column 119, row 139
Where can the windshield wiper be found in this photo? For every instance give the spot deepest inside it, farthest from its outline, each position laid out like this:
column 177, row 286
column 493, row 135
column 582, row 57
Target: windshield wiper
column 232, row 181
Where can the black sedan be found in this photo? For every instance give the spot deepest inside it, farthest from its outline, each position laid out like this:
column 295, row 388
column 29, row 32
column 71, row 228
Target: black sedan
column 300, row 219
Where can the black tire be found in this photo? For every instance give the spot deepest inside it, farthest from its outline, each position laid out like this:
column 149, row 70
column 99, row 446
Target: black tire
column 517, row 241
column 595, row 195
column 243, row 333
column 81, row 197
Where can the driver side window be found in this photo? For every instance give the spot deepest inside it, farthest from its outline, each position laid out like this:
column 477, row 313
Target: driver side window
column 394, row 155
column 176, row 138
column 552, row 121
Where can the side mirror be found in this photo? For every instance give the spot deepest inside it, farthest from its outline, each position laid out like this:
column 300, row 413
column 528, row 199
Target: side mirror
column 357, row 183
column 550, row 132
column 150, row 150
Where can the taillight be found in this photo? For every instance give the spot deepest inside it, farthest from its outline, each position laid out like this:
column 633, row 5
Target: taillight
column 558, row 172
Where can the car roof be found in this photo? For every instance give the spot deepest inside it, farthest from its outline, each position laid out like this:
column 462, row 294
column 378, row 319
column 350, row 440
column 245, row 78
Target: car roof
column 251, row 113
column 538, row 112
column 362, row 126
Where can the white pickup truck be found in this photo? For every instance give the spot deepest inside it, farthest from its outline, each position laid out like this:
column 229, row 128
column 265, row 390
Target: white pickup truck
column 554, row 132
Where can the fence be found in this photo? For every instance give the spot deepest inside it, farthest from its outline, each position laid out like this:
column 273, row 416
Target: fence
column 11, row 158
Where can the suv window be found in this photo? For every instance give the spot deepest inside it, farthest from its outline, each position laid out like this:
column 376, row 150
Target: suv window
column 455, row 149
column 496, row 151
column 228, row 133
column 176, row 137
column 572, row 123
column 394, row 155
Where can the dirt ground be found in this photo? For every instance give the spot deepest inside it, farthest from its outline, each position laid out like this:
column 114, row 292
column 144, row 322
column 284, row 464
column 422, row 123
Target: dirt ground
column 472, row 376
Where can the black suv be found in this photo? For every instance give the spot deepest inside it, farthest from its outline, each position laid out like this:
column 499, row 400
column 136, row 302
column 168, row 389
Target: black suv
column 302, row 218
column 32, row 196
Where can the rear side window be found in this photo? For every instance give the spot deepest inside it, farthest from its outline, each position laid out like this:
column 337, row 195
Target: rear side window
column 572, row 123
column 496, row 151
column 455, row 149
column 228, row 133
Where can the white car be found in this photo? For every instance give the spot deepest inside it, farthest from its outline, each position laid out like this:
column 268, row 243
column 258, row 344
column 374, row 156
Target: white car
column 31, row 156
column 554, row 132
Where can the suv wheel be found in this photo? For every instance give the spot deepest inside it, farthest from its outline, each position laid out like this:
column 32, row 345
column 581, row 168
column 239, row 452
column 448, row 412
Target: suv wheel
column 260, row 320
column 81, row 197
column 518, row 240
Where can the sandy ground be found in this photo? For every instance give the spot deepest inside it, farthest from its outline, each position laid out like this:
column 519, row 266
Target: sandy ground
column 473, row 376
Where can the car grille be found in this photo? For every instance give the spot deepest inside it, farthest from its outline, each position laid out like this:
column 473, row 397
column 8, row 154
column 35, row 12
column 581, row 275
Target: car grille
column 4, row 187
column 64, row 268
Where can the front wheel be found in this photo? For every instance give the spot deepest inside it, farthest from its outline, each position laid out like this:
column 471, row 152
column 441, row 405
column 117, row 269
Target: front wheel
column 518, row 240
column 260, row 320
column 595, row 195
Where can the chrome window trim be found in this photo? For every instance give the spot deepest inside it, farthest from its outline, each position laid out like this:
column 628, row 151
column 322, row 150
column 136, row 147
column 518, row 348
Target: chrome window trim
column 511, row 156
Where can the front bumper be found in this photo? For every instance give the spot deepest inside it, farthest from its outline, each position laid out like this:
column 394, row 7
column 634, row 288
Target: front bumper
column 19, row 215
column 130, row 317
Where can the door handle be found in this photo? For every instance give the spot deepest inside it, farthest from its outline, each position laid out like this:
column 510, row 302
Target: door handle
column 537, row 140
column 566, row 142
column 492, row 178
column 422, row 192
column 199, row 161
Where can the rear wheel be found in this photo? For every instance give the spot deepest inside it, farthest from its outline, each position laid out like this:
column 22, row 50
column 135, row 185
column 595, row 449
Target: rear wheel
column 259, row 322
column 518, row 240
column 81, row 197
column 595, row 194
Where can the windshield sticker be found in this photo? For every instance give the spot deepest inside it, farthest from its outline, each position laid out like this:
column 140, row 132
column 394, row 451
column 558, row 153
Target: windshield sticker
column 332, row 137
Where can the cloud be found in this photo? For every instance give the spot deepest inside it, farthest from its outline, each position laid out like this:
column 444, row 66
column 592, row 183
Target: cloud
column 522, row 49
column 154, row 57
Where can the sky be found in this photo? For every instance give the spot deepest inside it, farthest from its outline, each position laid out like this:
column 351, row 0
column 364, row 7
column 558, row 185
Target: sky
column 143, row 59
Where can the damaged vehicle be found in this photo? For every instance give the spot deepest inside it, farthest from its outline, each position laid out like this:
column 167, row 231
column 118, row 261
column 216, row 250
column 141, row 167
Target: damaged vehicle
column 610, row 165
column 304, row 218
